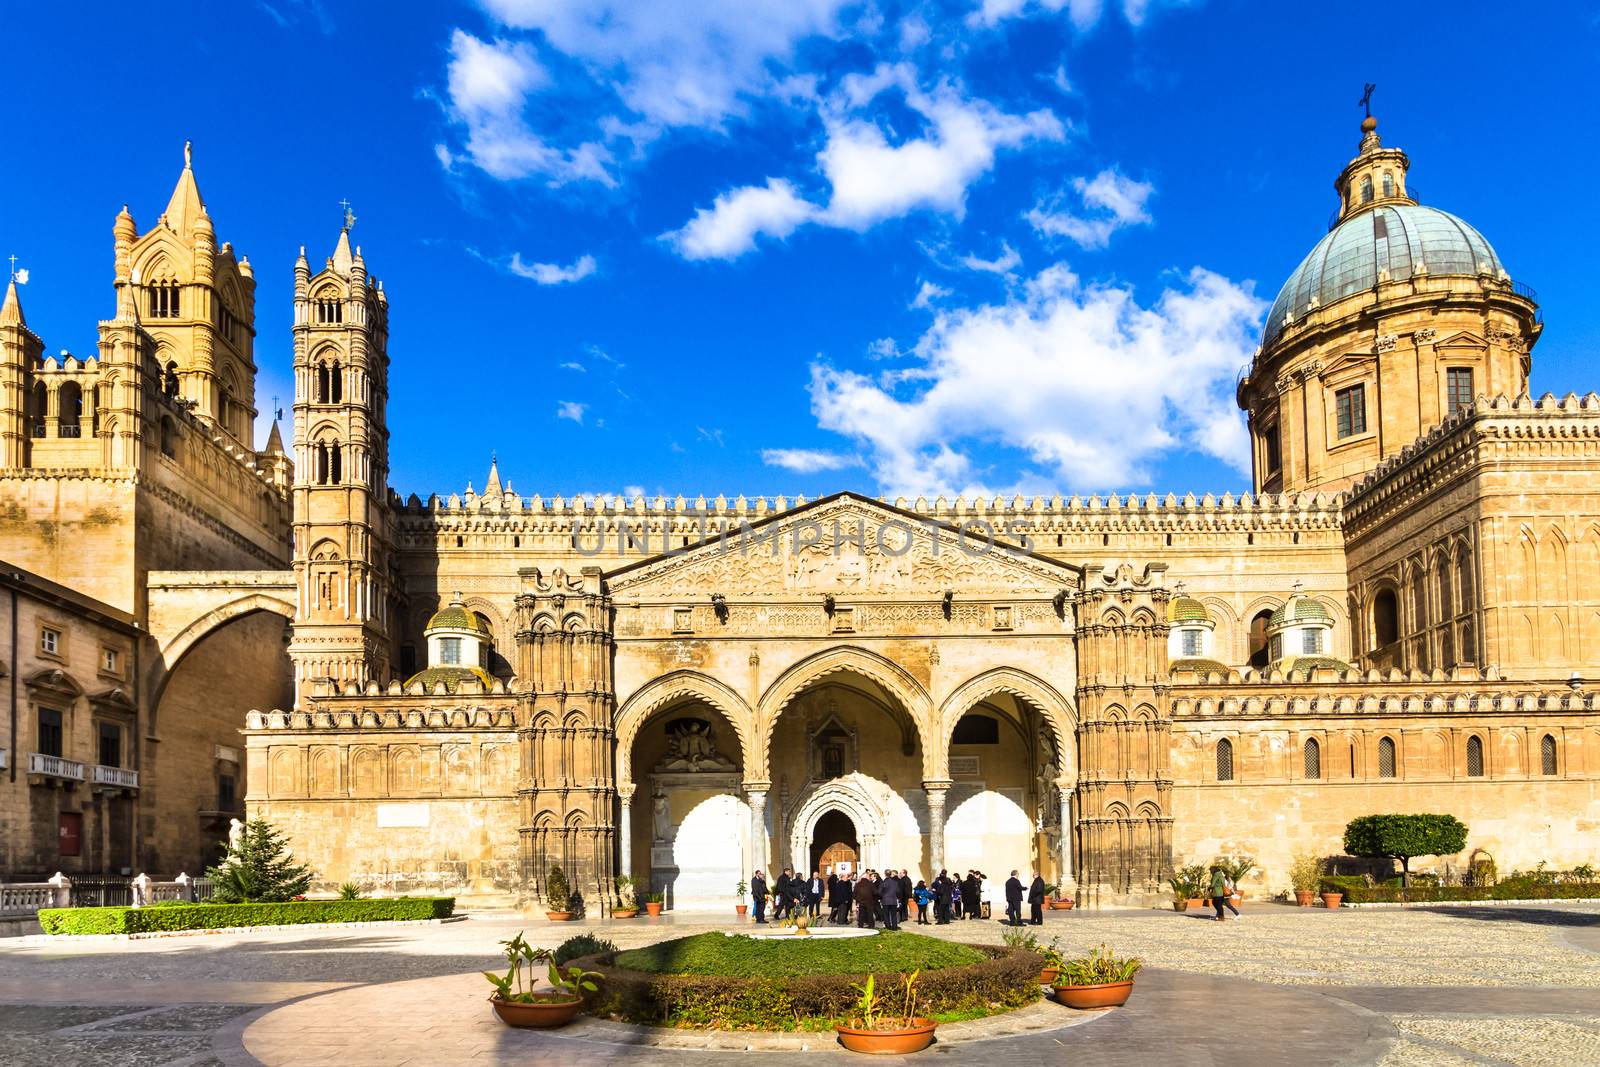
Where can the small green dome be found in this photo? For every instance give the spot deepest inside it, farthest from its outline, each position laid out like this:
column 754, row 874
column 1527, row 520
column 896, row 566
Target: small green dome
column 452, row 677
column 1198, row 665
column 1182, row 609
column 1300, row 610
column 455, row 616
column 1307, row 663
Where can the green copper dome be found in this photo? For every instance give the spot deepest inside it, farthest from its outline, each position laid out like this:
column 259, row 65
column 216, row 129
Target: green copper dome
column 1299, row 610
column 455, row 616
column 1392, row 240
column 452, row 677
column 1181, row 609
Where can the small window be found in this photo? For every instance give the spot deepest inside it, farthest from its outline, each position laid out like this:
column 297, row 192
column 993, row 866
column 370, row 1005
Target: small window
column 1274, row 448
column 50, row 641
column 1224, row 760
column 1458, row 388
column 1260, row 647
column 226, row 796
column 1351, row 408
column 1385, row 619
column 975, row 730
column 1275, row 647
column 110, row 745
column 1547, row 755
column 1474, row 757
column 1190, row 640
column 1312, row 641
column 110, row 662
column 1312, row 759
column 1386, row 758
column 1388, row 184
column 1366, row 190
column 49, row 732
column 450, row 650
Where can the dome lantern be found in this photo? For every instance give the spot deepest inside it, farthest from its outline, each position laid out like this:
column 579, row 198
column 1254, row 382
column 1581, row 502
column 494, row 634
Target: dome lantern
column 458, row 647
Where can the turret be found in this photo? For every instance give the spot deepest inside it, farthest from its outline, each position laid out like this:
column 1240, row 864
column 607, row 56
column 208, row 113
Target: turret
column 20, row 349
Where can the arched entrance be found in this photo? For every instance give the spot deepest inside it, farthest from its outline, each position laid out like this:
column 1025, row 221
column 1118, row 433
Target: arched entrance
column 835, row 848
column 856, row 802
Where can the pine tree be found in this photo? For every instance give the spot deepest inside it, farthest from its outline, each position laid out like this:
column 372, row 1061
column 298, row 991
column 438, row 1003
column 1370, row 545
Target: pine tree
column 258, row 868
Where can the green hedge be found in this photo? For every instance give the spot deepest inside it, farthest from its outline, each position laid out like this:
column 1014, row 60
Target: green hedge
column 891, row 952
column 1002, row 981
column 1356, row 891
column 218, row 916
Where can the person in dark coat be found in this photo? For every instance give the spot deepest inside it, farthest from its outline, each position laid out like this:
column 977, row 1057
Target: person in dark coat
column 813, row 894
column 1036, row 900
column 941, row 898
column 1013, row 900
column 758, row 893
column 783, row 890
column 866, row 903
column 889, row 894
column 905, row 895
column 969, row 896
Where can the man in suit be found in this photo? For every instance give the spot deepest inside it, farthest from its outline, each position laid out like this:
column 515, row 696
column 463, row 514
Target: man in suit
column 1013, row 900
column 784, row 890
column 814, row 894
column 941, row 898
column 889, row 894
column 758, row 892
column 1036, row 900
column 905, row 895
column 866, row 902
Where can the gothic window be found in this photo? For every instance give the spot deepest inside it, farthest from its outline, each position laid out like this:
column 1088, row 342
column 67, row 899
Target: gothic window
column 1190, row 641
column 1311, row 757
column 832, row 761
column 1388, row 183
column 1386, row 757
column 1474, row 757
column 1351, row 410
column 1458, row 388
column 450, row 650
column 336, row 384
column 169, row 380
column 1366, row 190
column 336, row 464
column 69, row 404
column 1312, row 641
column 322, row 383
column 1258, row 639
column 1447, row 648
column 322, row 464
column 37, row 409
column 1224, row 760
column 976, row 730
column 330, row 310
column 1547, row 755
column 1385, row 619
column 163, row 300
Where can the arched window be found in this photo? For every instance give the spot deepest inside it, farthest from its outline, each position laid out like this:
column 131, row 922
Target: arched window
column 1388, row 183
column 1224, row 760
column 1419, row 618
column 336, row 464
column 322, row 383
column 1312, row 758
column 1385, row 619
column 1547, row 754
column 1474, row 757
column 1386, row 757
column 336, row 383
column 322, row 464
column 70, row 409
column 1366, row 190
column 1258, row 639
column 36, row 410
column 1447, row 612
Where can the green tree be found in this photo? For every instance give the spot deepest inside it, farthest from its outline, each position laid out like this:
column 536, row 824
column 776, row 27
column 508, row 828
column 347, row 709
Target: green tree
column 1402, row 837
column 258, row 868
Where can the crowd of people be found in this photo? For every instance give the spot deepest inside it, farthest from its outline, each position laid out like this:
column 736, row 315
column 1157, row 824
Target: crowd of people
column 888, row 898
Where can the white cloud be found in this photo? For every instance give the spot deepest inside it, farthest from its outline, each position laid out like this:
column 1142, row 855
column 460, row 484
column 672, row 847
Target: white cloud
column 488, row 83
column 1088, row 384
column 1083, row 14
column 713, row 435
column 571, row 409
column 579, row 367
column 676, row 64
column 729, row 227
column 807, row 460
column 1006, row 262
column 1114, row 202
column 928, row 294
column 884, row 348
column 552, row 273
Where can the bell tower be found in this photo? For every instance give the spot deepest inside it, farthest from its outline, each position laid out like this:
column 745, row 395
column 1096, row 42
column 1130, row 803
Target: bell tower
column 342, row 524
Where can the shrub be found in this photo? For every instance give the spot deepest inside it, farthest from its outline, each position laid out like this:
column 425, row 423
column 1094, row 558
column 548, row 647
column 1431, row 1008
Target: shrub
column 582, row 945
column 557, row 893
column 1000, row 980
column 258, row 868
column 748, row 957
column 1511, row 888
column 1305, row 872
column 349, row 891
column 1403, row 837
column 220, row 916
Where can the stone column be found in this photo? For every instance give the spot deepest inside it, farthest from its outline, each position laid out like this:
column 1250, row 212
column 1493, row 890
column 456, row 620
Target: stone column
column 1066, row 840
column 935, row 789
column 625, row 827
column 756, row 793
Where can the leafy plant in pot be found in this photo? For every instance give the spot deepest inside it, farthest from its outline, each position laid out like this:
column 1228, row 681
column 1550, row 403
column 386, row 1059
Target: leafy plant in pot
column 1182, row 890
column 1305, row 874
column 653, row 902
column 1098, row 980
column 1236, row 867
column 518, row 1003
column 627, row 899
column 739, row 892
column 1025, row 941
column 1332, row 894
column 557, row 895
column 878, row 1029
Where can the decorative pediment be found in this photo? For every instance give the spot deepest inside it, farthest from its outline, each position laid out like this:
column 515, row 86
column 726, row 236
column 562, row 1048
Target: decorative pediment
column 849, row 546
column 1463, row 339
column 115, row 697
column 55, row 680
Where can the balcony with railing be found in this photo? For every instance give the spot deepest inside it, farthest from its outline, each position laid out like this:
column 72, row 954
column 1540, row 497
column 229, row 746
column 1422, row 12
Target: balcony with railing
column 115, row 777
column 55, row 767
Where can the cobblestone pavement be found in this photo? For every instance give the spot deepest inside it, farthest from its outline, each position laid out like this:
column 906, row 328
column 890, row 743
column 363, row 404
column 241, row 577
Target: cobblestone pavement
column 1421, row 986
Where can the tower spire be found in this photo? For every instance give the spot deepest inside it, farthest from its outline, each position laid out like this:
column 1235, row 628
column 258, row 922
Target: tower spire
column 11, row 310
column 186, row 208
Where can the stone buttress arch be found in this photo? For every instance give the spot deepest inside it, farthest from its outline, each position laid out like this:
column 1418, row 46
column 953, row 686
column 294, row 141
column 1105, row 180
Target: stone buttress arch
column 669, row 688
column 174, row 648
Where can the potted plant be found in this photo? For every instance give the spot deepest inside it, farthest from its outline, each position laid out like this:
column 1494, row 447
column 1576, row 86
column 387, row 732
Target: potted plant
column 1182, row 890
column 1098, row 980
column 1025, row 941
column 1194, row 877
column 516, row 1001
column 652, row 903
column 1236, row 867
column 738, row 894
column 1332, row 894
column 1305, row 873
column 877, row 1031
column 558, row 895
column 627, row 899
column 1053, row 960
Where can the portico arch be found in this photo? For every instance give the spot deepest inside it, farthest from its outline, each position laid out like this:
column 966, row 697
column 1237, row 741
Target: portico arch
column 1055, row 709
column 853, row 797
column 672, row 689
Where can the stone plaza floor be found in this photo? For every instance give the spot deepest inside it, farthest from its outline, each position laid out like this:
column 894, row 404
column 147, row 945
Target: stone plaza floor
column 1439, row 985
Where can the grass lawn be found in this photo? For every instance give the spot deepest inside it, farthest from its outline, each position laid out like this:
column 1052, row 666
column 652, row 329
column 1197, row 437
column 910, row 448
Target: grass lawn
column 747, row 957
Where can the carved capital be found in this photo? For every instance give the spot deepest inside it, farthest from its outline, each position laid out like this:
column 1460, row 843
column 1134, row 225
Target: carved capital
column 1387, row 342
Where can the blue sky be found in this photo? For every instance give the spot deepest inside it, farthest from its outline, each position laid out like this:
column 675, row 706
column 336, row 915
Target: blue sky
column 795, row 246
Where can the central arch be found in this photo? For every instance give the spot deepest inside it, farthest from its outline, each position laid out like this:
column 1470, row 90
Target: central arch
column 852, row 797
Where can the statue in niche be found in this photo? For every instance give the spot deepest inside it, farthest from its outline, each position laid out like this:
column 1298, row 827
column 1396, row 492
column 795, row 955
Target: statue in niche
column 661, row 821
column 692, row 747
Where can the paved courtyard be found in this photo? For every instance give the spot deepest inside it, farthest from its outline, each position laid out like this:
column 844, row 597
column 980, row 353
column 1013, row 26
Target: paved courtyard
column 1437, row 986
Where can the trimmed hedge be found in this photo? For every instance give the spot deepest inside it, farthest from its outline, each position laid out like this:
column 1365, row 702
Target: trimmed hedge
column 718, row 955
column 1002, row 981
column 1356, row 891
column 220, row 916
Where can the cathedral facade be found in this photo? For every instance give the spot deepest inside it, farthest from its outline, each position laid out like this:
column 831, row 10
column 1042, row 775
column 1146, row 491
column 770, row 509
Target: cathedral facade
column 1403, row 615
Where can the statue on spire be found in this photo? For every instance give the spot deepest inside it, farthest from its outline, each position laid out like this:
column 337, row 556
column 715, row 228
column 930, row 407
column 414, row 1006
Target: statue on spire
column 188, row 155
column 349, row 216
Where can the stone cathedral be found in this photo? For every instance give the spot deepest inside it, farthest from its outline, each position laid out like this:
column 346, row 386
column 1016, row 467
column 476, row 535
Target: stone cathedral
column 1404, row 615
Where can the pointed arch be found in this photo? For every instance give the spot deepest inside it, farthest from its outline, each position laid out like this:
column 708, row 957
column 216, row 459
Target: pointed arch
column 895, row 679
column 1057, row 709
column 674, row 688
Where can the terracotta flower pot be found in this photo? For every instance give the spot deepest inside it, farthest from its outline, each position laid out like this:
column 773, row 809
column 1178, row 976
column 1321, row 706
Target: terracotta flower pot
column 1062, row 903
column 1105, row 995
column 1180, row 905
column 558, row 916
column 1198, row 902
column 1304, row 897
column 1048, row 975
column 888, row 1042
column 555, row 1011
column 1332, row 900
column 653, row 909
column 741, row 908
column 624, row 913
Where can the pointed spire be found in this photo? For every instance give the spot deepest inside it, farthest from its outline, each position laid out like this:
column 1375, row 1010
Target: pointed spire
column 492, row 486
column 275, row 440
column 343, row 258
column 11, row 310
column 185, row 209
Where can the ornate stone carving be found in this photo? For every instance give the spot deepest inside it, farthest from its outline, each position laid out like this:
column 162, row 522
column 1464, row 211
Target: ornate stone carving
column 1425, row 335
column 692, row 747
column 1387, row 342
